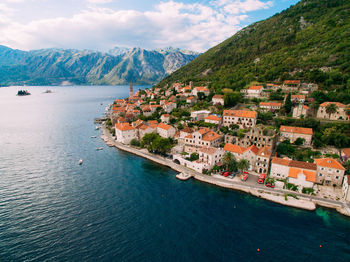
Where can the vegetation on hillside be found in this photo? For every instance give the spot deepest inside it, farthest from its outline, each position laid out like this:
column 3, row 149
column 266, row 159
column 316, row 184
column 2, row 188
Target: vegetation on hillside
column 309, row 41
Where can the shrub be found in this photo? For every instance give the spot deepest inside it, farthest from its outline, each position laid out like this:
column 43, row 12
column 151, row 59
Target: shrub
column 308, row 190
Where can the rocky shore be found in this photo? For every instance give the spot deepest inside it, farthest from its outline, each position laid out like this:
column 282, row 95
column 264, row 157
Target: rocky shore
column 277, row 196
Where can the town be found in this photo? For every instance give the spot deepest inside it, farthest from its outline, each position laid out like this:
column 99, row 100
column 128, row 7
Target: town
column 283, row 136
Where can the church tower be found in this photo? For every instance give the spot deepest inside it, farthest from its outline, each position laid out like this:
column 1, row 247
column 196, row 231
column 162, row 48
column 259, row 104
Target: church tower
column 131, row 90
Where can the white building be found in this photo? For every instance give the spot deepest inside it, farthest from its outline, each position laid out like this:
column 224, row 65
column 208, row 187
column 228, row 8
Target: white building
column 218, row 99
column 213, row 119
column 169, row 106
column 301, row 110
column 124, row 133
column 210, row 156
column 202, row 89
column 165, row 118
column 242, row 118
column 253, row 91
column 270, row 105
column 165, row 130
column 199, row 115
column 292, row 133
column 329, row 172
column 200, row 138
column 146, row 129
column 346, row 188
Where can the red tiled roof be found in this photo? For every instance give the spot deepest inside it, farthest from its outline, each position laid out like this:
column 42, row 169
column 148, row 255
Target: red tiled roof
column 254, row 149
column 329, row 162
column 208, row 150
column 291, row 82
column 265, row 151
column 124, row 126
column 164, row 126
column 210, row 136
column 296, row 130
column 255, row 87
column 218, row 96
column 241, row 113
column 346, row 151
column 280, row 161
column 213, row 117
column 234, row 148
column 309, row 175
column 270, row 104
column 340, row 105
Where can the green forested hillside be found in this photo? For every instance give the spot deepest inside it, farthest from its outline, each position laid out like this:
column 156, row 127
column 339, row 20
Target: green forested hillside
column 308, row 41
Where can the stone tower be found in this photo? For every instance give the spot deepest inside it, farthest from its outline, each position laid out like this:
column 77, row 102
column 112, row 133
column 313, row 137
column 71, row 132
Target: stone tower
column 131, row 90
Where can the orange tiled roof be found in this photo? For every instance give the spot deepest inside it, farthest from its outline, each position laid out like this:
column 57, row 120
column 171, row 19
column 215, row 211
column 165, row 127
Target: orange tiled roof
column 309, row 175
column 166, row 115
column 152, row 122
column 297, row 96
column 241, row 113
column 210, row 136
column 187, row 130
column 254, row 149
column 265, row 151
column 270, row 104
column 296, row 130
column 302, row 165
column 234, row 148
column 291, row 82
column 208, row 150
column 213, row 117
column 255, row 87
column 203, row 130
column 329, row 162
column 280, row 161
column 164, row 126
column 201, row 89
column 346, row 151
column 124, row 126
column 340, row 105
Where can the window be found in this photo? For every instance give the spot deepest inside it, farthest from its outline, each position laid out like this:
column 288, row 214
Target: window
column 337, row 177
column 320, row 174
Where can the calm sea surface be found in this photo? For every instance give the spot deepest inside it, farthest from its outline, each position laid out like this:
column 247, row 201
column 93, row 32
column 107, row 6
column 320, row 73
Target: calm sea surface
column 119, row 207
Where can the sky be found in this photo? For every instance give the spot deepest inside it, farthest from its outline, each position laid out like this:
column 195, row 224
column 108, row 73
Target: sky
column 150, row 24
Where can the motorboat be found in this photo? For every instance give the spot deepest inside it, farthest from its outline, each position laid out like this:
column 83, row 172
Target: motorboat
column 80, row 162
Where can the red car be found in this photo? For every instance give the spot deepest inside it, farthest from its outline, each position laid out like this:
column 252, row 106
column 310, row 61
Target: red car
column 225, row 173
column 270, row 185
column 261, row 179
column 244, row 176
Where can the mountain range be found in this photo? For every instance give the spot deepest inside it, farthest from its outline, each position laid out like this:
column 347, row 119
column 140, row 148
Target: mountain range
column 308, row 41
column 117, row 66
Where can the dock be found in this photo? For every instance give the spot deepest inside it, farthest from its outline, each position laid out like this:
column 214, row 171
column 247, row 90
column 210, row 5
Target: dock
column 183, row 176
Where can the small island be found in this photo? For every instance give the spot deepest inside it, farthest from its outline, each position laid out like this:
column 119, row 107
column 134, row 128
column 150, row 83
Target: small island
column 23, row 93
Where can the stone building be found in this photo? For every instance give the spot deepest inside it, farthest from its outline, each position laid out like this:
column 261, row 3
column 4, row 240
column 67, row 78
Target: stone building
column 329, row 172
column 292, row 133
column 339, row 115
column 258, row 136
column 242, row 118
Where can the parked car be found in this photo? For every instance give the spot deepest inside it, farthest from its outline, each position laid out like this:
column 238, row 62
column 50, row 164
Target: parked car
column 244, row 176
column 261, row 179
column 269, row 184
column 225, row 173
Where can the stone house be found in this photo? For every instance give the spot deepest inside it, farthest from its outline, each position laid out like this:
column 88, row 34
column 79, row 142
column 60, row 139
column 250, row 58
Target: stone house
column 291, row 85
column 258, row 136
column 124, row 133
column 345, row 154
column 202, row 89
column 292, row 133
column 270, row 106
column 339, row 115
column 218, row 99
column 165, row 118
column 301, row 110
column 213, row 119
column 329, row 172
column 165, row 131
column 199, row 115
column 253, row 91
column 242, row 118
column 191, row 100
column 200, row 138
column 210, row 156
column 146, row 129
column 262, row 161
column 346, row 188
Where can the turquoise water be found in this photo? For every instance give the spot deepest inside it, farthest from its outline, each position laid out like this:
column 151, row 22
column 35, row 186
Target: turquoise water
column 119, row 207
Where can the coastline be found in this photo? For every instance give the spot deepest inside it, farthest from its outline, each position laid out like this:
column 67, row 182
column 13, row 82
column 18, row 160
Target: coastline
column 277, row 196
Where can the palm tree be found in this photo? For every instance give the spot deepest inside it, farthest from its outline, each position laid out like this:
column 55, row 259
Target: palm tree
column 228, row 159
column 331, row 109
column 243, row 165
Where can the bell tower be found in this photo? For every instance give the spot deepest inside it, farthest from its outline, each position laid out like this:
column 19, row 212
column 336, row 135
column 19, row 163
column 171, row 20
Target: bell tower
column 131, row 90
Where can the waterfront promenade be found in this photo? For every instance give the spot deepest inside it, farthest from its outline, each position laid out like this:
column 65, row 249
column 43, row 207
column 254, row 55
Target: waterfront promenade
column 273, row 194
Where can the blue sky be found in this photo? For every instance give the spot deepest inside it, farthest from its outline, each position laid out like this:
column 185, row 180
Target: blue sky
column 103, row 24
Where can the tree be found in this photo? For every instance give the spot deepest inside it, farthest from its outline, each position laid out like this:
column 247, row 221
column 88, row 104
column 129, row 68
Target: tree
column 314, row 106
column 227, row 159
column 347, row 112
column 243, row 165
column 231, row 99
column 331, row 109
column 201, row 95
column 135, row 142
column 194, row 157
column 299, row 141
column 288, row 104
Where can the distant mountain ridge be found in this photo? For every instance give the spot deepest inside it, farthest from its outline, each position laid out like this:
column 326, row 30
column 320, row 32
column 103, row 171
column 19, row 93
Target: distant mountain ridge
column 117, row 66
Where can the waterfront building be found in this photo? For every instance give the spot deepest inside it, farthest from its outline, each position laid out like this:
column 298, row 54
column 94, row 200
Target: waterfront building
column 340, row 114
column 329, row 172
column 242, row 118
column 146, row 129
column 292, row 133
column 124, row 133
column 263, row 158
column 200, row 138
column 346, row 188
column 210, row 156
column 253, row 91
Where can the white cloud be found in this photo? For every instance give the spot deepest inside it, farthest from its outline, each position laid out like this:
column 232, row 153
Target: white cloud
column 98, row 1
column 191, row 26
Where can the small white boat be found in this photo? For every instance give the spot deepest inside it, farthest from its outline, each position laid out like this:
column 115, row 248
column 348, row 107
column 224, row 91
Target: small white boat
column 80, row 162
column 97, row 127
column 93, row 136
column 99, row 148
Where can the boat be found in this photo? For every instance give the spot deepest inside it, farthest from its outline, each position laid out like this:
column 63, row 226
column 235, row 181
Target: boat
column 23, row 93
column 97, row 127
column 93, row 136
column 99, row 148
column 80, row 162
